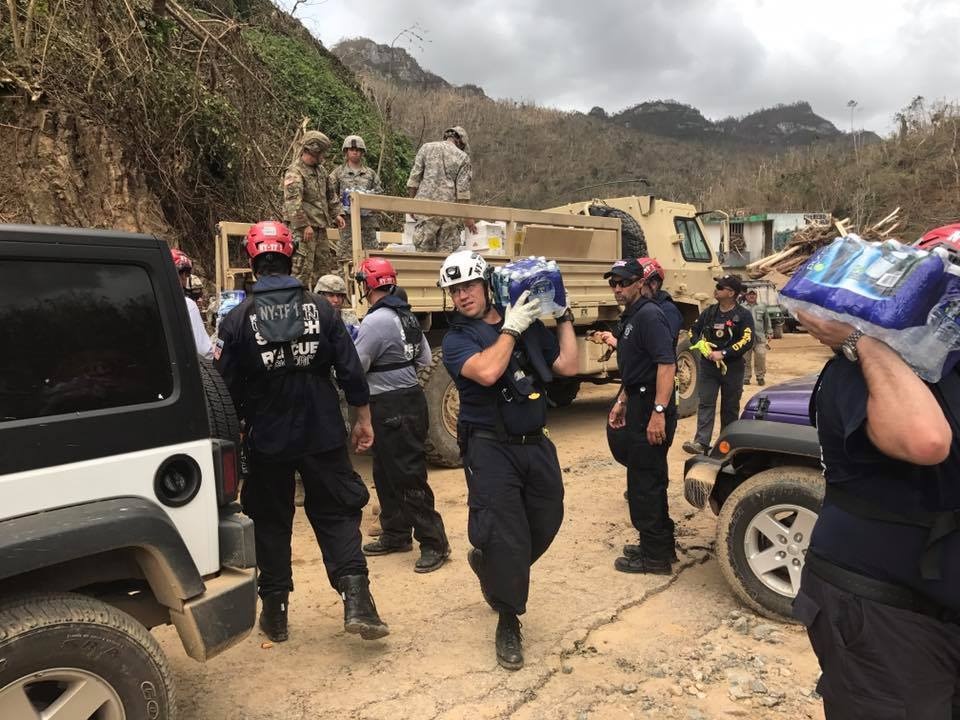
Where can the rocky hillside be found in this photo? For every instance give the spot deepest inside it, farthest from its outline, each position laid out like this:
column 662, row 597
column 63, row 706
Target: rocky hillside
column 394, row 64
column 166, row 117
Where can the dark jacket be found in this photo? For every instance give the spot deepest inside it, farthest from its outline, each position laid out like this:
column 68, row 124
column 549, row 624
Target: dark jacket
column 275, row 351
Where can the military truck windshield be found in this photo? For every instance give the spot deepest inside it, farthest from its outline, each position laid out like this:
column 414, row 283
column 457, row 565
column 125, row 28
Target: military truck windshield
column 692, row 245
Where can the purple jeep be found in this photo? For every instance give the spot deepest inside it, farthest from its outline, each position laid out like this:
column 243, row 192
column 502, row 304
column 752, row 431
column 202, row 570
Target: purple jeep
column 764, row 481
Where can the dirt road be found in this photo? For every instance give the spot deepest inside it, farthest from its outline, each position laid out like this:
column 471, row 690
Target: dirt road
column 599, row 644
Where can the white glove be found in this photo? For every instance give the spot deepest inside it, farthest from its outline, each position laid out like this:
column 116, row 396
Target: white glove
column 519, row 316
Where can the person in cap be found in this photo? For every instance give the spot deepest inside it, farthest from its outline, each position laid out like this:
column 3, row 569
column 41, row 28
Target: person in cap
column 501, row 359
column 355, row 175
column 755, row 361
column 275, row 352
column 392, row 347
column 642, row 422
column 310, row 206
column 201, row 339
column 442, row 171
column 728, row 329
column 654, row 271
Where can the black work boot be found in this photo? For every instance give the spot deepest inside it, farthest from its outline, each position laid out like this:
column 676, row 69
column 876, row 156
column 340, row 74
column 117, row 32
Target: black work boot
column 642, row 564
column 273, row 616
column 379, row 547
column 509, row 642
column 632, row 551
column 431, row 559
column 474, row 559
column 359, row 613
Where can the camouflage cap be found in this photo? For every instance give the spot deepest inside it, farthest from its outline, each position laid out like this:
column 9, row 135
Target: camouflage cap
column 463, row 136
column 315, row 141
column 354, row 141
column 330, row 284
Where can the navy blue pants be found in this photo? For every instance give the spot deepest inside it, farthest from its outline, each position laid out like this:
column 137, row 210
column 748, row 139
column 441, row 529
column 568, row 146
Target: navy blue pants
column 516, row 509
column 879, row 662
column 334, row 496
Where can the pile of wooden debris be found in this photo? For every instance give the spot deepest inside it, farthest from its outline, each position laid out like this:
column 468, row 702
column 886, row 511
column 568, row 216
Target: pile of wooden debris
column 807, row 240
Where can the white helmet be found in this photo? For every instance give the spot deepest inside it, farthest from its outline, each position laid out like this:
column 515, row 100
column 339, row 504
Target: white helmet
column 463, row 266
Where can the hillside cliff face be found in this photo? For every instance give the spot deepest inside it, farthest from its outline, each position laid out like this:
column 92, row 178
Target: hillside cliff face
column 366, row 57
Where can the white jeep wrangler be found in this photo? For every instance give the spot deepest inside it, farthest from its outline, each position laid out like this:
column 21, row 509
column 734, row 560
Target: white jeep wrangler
column 119, row 467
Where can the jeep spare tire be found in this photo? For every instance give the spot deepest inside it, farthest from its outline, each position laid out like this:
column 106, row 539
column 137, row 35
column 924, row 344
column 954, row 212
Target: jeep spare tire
column 443, row 405
column 82, row 658
column 763, row 532
column 223, row 416
column 634, row 244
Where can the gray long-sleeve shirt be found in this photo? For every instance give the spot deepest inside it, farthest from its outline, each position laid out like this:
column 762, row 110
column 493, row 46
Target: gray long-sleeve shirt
column 379, row 343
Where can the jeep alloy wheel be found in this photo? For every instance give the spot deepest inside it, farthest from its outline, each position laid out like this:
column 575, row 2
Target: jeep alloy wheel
column 763, row 532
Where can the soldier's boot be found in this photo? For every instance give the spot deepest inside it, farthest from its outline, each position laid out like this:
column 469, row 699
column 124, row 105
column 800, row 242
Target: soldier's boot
column 273, row 616
column 509, row 642
column 359, row 611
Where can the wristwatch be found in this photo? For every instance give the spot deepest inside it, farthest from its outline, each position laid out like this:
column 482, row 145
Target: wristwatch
column 566, row 317
column 849, row 346
column 658, row 408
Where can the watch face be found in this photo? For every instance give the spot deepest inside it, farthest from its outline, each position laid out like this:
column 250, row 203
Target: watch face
column 849, row 353
column 658, row 408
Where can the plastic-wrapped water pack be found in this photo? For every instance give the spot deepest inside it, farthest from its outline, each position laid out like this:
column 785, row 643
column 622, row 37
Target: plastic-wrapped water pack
column 538, row 275
column 906, row 297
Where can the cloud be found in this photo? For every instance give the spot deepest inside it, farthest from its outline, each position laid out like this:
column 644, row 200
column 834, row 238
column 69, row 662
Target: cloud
column 725, row 58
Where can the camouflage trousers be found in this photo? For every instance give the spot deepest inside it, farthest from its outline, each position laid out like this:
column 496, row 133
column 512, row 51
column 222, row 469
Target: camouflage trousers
column 437, row 234
column 312, row 259
column 368, row 240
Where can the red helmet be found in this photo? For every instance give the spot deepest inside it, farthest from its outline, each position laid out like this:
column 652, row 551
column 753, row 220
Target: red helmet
column 947, row 236
column 651, row 269
column 269, row 236
column 375, row 273
column 180, row 260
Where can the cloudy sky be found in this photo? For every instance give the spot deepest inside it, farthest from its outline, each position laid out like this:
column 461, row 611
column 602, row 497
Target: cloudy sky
column 725, row 57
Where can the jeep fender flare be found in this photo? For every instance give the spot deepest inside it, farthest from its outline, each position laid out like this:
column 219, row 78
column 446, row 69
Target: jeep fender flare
column 766, row 436
column 33, row 542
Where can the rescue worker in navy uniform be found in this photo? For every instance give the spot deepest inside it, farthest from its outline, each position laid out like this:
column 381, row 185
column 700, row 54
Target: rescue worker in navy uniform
column 275, row 352
column 727, row 326
column 643, row 418
column 500, row 360
column 391, row 347
column 660, row 297
column 880, row 585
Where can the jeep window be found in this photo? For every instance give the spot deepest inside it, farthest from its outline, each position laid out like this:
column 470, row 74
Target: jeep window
column 693, row 247
column 78, row 337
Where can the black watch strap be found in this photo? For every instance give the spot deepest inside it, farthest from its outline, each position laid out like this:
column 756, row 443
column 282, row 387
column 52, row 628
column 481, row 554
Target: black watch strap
column 512, row 333
column 566, row 317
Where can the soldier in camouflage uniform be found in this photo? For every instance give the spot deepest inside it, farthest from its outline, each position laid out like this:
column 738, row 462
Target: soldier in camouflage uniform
column 310, row 206
column 354, row 174
column 441, row 171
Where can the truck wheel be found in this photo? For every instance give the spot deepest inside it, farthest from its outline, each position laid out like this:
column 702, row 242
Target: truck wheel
column 81, row 658
column 688, row 372
column 763, row 532
column 443, row 403
column 634, row 242
column 223, row 416
column 561, row 393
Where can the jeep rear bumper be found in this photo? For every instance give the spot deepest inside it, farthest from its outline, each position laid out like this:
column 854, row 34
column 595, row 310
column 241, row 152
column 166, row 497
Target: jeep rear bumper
column 225, row 612
column 219, row 618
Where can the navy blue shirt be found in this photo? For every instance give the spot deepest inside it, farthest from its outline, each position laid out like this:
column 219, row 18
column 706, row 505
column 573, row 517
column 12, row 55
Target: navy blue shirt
column 645, row 341
column 478, row 404
column 885, row 551
column 671, row 311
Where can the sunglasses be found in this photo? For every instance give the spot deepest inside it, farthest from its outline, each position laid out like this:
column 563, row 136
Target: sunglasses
column 622, row 283
column 724, row 287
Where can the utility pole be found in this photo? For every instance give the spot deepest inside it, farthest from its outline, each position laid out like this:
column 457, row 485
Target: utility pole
column 852, row 104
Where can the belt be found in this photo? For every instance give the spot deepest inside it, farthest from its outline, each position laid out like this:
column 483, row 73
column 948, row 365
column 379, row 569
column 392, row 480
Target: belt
column 529, row 439
column 879, row 591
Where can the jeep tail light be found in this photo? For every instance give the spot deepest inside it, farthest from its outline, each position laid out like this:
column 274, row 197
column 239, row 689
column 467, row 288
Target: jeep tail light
column 226, row 463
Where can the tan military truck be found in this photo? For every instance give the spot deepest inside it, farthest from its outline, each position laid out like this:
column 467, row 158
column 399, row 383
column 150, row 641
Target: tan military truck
column 585, row 238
